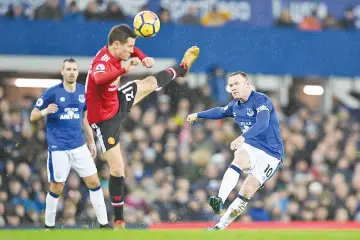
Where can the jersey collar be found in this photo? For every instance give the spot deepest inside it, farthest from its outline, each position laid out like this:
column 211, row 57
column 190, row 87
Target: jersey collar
column 250, row 96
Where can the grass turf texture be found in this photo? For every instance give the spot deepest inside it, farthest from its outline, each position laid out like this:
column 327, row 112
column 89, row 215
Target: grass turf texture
column 179, row 235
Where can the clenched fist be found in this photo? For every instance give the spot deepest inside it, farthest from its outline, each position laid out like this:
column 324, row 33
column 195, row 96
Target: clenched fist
column 51, row 108
column 148, row 62
column 192, row 118
column 133, row 62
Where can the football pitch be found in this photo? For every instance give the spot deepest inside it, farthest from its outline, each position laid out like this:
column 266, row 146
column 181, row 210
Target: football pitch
column 179, row 235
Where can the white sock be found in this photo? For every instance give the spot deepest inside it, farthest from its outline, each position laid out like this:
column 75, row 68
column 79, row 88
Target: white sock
column 229, row 181
column 97, row 200
column 50, row 209
column 234, row 210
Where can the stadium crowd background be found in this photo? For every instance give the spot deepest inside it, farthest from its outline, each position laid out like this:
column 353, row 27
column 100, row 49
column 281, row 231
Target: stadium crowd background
column 172, row 167
column 111, row 10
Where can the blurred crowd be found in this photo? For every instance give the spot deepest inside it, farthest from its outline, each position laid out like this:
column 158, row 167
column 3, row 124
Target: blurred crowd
column 111, row 10
column 173, row 167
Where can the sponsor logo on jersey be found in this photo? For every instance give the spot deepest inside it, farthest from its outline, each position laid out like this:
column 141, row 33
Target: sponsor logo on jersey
column 105, row 58
column 81, row 98
column 70, row 113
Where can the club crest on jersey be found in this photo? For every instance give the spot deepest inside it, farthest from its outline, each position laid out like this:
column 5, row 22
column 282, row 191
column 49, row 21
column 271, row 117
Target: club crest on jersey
column 62, row 99
column 81, row 98
column 249, row 112
column 111, row 140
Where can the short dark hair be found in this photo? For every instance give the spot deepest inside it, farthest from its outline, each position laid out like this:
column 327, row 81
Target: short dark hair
column 120, row 33
column 243, row 74
column 70, row 60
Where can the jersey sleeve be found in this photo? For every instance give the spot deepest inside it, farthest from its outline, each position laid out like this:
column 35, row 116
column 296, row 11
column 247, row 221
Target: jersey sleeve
column 138, row 53
column 100, row 67
column 228, row 109
column 263, row 103
column 44, row 100
column 102, row 73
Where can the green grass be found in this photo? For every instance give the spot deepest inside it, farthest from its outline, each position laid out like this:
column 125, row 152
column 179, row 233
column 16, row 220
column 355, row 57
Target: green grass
column 178, row 235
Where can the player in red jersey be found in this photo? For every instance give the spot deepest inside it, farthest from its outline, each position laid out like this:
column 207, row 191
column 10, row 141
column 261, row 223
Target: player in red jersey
column 108, row 104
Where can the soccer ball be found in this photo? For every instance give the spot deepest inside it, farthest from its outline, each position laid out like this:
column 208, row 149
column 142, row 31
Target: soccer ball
column 146, row 24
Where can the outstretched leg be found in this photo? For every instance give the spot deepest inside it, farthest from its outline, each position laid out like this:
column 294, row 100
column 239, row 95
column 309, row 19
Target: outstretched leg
column 162, row 78
column 231, row 177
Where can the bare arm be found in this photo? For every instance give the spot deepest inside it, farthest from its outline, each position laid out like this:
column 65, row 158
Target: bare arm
column 89, row 135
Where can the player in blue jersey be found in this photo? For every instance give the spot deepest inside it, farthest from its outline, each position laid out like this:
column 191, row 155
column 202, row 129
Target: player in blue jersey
column 258, row 151
column 64, row 108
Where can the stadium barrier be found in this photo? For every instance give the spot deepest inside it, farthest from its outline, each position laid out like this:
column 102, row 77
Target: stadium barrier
column 255, row 50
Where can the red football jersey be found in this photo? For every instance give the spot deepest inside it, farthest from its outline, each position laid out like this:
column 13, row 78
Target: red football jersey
column 101, row 93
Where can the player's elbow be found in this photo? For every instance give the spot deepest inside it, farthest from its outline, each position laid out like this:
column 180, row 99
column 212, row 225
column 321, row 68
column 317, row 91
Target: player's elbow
column 34, row 116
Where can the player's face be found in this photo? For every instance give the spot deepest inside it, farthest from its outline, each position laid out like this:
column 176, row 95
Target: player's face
column 123, row 51
column 70, row 72
column 238, row 86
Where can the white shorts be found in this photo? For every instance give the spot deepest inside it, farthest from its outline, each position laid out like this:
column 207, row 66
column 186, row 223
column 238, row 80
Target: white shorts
column 59, row 163
column 262, row 165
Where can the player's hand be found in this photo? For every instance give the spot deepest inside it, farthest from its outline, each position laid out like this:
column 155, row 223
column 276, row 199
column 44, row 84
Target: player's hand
column 51, row 108
column 237, row 143
column 148, row 62
column 133, row 62
column 192, row 118
column 92, row 149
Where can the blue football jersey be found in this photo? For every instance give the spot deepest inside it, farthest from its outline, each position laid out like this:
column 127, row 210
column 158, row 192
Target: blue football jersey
column 245, row 113
column 64, row 128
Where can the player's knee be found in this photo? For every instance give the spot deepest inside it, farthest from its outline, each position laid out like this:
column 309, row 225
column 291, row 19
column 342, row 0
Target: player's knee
column 117, row 172
column 94, row 182
column 56, row 187
column 117, row 168
column 149, row 83
column 236, row 161
column 247, row 191
column 242, row 160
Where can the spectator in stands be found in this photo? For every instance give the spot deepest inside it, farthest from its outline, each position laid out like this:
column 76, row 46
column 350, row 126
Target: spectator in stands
column 72, row 8
column 114, row 12
column 330, row 22
column 310, row 23
column 191, row 17
column 165, row 15
column 49, row 10
column 348, row 22
column 92, row 11
column 284, row 20
column 218, row 82
column 16, row 11
column 215, row 18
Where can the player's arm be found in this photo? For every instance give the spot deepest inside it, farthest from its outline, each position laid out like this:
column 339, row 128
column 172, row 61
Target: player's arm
column 138, row 53
column 146, row 61
column 102, row 74
column 213, row 113
column 263, row 108
column 43, row 107
column 89, row 136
